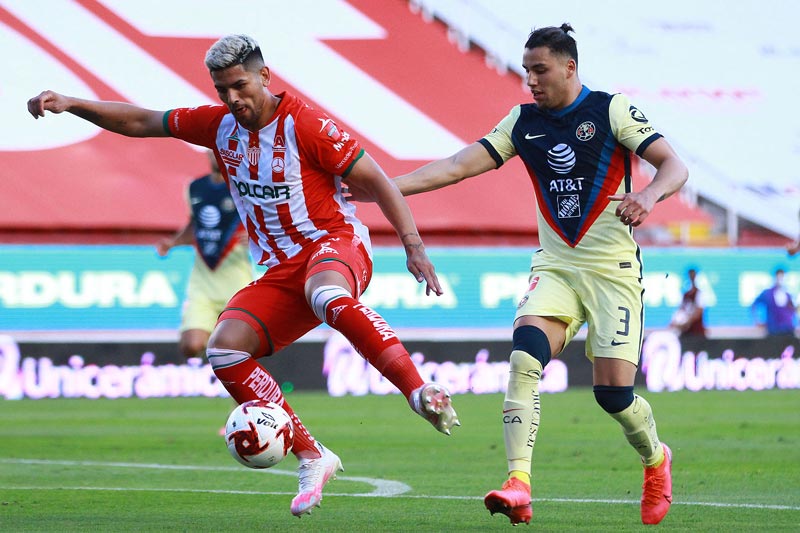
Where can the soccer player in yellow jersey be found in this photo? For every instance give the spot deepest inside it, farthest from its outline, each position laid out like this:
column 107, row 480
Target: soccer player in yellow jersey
column 222, row 262
column 577, row 146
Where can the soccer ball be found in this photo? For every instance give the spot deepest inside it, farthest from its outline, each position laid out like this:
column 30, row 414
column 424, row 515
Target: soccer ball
column 259, row 434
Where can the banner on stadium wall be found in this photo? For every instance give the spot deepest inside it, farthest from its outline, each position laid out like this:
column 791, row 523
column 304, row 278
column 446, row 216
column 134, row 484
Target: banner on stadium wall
column 147, row 370
column 118, row 288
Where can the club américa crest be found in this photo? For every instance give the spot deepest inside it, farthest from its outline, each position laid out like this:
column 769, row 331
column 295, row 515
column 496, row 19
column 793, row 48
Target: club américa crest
column 585, row 131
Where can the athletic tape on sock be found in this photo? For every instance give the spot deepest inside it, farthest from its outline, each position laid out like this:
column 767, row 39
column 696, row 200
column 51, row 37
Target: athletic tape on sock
column 324, row 295
column 220, row 358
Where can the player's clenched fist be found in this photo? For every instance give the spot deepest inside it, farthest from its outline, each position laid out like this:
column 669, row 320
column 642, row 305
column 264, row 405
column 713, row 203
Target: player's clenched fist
column 46, row 101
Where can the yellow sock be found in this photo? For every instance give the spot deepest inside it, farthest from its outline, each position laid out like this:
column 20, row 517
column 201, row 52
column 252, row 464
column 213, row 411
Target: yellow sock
column 521, row 411
column 522, row 476
column 658, row 461
column 640, row 429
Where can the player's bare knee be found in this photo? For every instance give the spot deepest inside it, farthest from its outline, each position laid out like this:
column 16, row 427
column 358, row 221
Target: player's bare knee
column 534, row 342
column 613, row 399
column 234, row 335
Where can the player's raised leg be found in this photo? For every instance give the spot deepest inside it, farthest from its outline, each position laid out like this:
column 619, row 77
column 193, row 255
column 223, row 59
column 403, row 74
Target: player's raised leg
column 377, row 342
column 329, row 290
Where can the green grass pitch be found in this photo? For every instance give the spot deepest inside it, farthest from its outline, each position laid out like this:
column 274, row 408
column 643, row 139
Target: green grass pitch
column 159, row 465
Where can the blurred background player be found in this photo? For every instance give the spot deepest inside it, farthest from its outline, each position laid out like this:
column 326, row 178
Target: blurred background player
column 577, row 146
column 221, row 264
column 689, row 319
column 774, row 310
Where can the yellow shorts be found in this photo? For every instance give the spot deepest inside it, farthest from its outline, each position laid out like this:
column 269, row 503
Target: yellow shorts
column 200, row 313
column 612, row 307
column 208, row 291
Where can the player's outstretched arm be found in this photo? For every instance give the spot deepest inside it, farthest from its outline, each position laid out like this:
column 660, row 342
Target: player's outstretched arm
column 185, row 235
column 117, row 117
column 470, row 161
column 367, row 176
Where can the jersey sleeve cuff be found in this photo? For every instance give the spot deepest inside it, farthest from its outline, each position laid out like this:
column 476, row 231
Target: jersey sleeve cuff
column 352, row 163
column 647, row 142
column 492, row 152
column 165, row 122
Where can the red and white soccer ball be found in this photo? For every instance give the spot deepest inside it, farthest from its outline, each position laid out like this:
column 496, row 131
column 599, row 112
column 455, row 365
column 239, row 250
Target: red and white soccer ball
column 259, row 434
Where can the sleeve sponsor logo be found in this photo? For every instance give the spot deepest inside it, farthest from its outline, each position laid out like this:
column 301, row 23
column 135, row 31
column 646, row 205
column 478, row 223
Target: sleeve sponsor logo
column 340, row 139
column 330, row 129
column 346, row 158
column 637, row 115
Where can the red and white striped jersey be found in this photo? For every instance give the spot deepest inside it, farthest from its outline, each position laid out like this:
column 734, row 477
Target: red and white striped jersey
column 286, row 179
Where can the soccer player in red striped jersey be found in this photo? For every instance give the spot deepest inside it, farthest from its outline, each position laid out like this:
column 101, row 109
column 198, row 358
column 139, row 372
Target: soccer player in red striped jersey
column 285, row 164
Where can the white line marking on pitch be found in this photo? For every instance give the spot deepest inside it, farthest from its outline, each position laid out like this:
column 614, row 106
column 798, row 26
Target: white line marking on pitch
column 383, row 488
